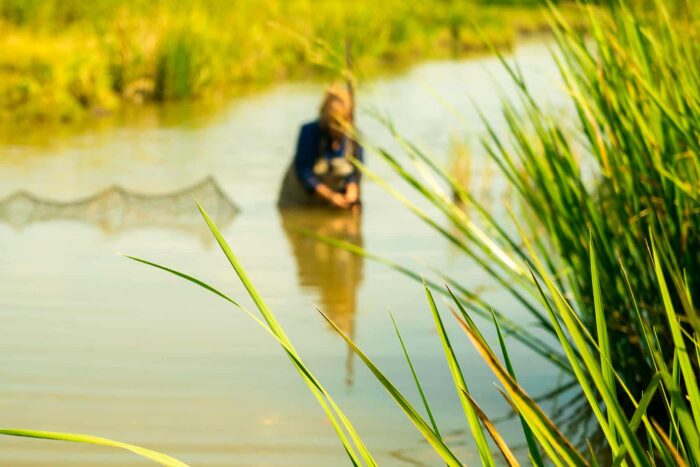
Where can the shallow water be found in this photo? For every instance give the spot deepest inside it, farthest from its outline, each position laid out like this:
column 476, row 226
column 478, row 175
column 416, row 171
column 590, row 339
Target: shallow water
column 92, row 342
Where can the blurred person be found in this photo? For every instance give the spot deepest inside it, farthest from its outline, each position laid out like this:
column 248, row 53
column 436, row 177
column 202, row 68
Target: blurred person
column 321, row 172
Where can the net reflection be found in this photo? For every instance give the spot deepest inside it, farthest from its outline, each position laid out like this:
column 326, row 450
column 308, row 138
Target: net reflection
column 116, row 210
column 334, row 274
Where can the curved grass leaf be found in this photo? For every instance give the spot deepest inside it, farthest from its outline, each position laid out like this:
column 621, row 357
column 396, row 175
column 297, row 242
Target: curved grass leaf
column 461, row 385
column 155, row 456
column 549, row 436
column 535, row 456
column 277, row 329
column 415, row 378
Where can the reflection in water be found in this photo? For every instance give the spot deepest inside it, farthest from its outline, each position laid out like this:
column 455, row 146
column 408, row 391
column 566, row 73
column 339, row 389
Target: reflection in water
column 332, row 272
column 116, row 209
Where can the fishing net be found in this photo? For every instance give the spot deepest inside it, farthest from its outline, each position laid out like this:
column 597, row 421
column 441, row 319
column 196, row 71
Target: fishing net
column 117, row 209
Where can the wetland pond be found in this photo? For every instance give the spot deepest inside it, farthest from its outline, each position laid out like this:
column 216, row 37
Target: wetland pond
column 92, row 342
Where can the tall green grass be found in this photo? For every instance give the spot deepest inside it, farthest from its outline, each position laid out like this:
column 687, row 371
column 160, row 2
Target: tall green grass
column 627, row 166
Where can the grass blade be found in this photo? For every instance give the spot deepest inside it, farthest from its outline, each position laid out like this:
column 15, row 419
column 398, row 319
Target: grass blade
column 461, row 385
column 155, row 456
column 677, row 458
column 335, row 415
column 544, row 429
column 602, row 333
column 535, row 455
column 686, row 366
column 187, row 277
column 639, row 414
column 415, row 377
column 276, row 328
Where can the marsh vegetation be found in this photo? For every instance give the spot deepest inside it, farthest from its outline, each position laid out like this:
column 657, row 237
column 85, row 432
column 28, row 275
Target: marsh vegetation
column 67, row 60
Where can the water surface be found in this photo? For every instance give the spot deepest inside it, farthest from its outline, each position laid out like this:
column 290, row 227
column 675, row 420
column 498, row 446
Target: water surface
column 92, row 342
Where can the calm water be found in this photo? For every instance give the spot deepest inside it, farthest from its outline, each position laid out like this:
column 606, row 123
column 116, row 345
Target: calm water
column 92, row 342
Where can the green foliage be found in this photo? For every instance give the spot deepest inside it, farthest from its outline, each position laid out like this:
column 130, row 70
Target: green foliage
column 628, row 166
column 634, row 87
column 107, row 51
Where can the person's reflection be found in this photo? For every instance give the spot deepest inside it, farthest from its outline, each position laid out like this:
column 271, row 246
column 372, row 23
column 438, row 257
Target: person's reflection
column 332, row 272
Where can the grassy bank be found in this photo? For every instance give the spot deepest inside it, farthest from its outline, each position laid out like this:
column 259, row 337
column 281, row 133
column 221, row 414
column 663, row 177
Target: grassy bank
column 65, row 60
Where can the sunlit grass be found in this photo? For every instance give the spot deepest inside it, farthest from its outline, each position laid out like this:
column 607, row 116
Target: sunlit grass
column 156, row 457
column 626, row 164
column 63, row 59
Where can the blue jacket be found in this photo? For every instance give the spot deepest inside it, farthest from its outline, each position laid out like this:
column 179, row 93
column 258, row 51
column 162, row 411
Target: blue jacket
column 309, row 147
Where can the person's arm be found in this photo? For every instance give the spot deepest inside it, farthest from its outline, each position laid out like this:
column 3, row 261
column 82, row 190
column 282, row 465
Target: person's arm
column 359, row 153
column 305, row 157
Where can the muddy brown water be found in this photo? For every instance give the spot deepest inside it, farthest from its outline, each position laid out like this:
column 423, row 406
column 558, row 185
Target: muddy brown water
column 94, row 343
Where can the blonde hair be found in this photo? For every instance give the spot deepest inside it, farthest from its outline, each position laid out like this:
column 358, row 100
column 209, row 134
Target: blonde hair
column 336, row 107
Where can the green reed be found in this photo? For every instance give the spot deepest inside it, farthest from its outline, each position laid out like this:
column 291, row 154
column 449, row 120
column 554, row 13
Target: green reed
column 635, row 91
column 155, row 456
column 626, row 166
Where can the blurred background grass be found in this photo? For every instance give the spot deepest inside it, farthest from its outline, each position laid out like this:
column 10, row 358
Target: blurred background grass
column 63, row 60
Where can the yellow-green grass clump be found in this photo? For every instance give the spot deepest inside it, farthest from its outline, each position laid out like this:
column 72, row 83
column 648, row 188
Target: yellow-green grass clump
column 63, row 60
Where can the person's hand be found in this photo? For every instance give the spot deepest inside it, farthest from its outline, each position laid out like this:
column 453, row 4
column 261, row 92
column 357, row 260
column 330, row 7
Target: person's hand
column 334, row 198
column 338, row 200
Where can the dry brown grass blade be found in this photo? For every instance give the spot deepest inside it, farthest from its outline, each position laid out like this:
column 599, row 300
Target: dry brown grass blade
column 493, row 432
column 525, row 404
column 677, row 458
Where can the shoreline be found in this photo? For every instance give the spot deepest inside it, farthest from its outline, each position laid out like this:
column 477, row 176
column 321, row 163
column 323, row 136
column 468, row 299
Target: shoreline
column 197, row 112
column 193, row 60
